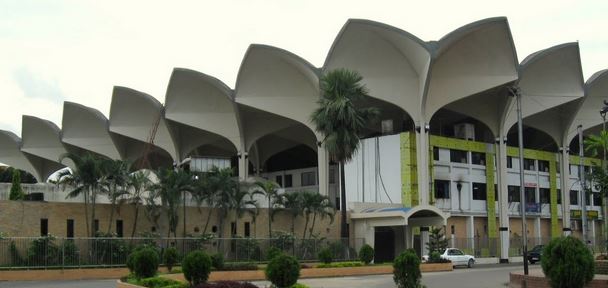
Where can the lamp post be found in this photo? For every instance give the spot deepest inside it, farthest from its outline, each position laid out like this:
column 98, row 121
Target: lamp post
column 515, row 91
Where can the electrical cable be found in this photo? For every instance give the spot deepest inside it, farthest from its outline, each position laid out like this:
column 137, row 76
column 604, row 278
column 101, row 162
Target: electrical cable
column 379, row 172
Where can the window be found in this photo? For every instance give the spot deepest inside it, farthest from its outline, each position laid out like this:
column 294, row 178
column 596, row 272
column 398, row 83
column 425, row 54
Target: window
column 573, row 197
column 70, row 228
column 44, row 227
column 233, row 228
column 247, row 229
column 597, row 199
column 559, row 196
column 458, row 156
column 279, row 180
column 288, row 181
column 309, row 179
column 337, row 203
column 587, row 169
column 495, row 192
column 530, row 193
column 509, row 162
column 529, row 164
column 332, row 176
column 513, row 193
column 96, row 225
column 436, row 153
column 478, row 158
column 588, row 199
column 119, row 228
column 572, row 168
column 543, row 166
column 545, row 195
column 479, row 191
column 442, row 189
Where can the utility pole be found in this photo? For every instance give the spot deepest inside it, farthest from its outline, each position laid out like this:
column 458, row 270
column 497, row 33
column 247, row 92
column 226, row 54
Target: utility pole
column 605, row 193
column 581, row 173
column 515, row 91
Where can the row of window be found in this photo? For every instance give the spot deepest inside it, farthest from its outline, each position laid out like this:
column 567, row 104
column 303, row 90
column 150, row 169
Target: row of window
column 307, row 179
column 44, row 227
column 442, row 191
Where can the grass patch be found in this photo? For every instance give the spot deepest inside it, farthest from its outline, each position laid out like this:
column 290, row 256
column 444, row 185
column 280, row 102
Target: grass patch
column 340, row 264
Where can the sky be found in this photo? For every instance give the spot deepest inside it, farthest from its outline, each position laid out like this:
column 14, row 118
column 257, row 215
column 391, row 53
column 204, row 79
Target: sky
column 56, row 51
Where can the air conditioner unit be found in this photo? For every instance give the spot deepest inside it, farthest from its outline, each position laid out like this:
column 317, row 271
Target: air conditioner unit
column 464, row 131
column 387, row 126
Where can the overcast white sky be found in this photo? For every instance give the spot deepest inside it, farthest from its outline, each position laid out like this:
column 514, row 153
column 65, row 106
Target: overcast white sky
column 53, row 51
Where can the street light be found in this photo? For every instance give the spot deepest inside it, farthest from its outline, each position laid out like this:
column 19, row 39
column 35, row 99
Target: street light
column 515, row 91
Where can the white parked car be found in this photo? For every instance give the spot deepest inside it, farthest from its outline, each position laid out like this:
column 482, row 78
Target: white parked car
column 456, row 256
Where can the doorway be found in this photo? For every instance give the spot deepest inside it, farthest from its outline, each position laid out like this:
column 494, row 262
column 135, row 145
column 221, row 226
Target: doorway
column 384, row 244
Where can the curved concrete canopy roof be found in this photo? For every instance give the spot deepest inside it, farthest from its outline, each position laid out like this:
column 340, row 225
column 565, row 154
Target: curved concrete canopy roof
column 275, row 80
column 87, row 128
column 596, row 91
column 203, row 102
column 10, row 153
column 394, row 63
column 472, row 59
column 552, row 87
column 41, row 142
column 133, row 115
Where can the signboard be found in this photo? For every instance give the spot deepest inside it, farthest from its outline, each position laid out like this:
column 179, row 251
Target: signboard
column 529, row 184
column 532, row 207
column 591, row 214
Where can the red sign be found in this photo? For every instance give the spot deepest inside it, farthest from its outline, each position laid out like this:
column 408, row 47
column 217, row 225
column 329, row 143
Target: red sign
column 533, row 185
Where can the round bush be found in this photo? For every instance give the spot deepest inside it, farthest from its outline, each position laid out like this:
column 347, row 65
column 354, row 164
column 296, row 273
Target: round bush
column 196, row 267
column 406, row 273
column 131, row 261
column 435, row 257
column 283, row 271
column 273, row 252
column 326, row 255
column 217, row 261
column 567, row 263
column 145, row 263
column 366, row 254
column 171, row 257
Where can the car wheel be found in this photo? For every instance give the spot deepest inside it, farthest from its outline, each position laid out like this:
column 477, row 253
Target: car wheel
column 471, row 262
column 532, row 262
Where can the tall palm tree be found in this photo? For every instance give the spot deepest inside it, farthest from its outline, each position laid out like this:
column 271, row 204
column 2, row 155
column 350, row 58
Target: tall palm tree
column 170, row 189
column 242, row 201
column 321, row 207
column 341, row 122
column 85, row 181
column 292, row 204
column 596, row 144
column 114, row 181
column 222, row 182
column 271, row 190
column 137, row 183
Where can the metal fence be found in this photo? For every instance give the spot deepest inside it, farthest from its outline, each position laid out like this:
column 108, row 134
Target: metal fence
column 50, row 252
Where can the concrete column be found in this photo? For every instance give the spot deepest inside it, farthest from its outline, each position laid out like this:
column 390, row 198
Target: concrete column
column 323, row 170
column 243, row 164
column 424, row 239
column 592, row 231
column 565, row 189
column 471, row 231
column 537, row 233
column 409, row 237
column 503, row 201
column 422, row 162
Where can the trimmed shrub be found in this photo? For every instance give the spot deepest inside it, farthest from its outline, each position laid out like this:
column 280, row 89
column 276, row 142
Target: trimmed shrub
column 283, row 271
column 196, row 267
column 366, row 254
column 239, row 266
column 273, row 252
column 568, row 263
column 217, row 261
column 145, row 263
column 131, row 261
column 170, row 257
column 406, row 273
column 227, row 284
column 158, row 282
column 299, row 285
column 340, row 265
column 326, row 255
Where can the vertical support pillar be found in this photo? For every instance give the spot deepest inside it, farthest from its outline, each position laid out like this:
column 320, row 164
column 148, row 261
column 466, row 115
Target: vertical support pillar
column 537, row 233
column 471, row 232
column 409, row 237
column 424, row 239
column 323, row 170
column 592, row 232
column 565, row 189
column 422, row 146
column 503, row 201
column 243, row 164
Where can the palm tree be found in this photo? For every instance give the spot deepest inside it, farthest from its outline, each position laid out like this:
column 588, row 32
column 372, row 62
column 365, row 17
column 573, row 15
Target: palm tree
column 221, row 183
column 270, row 189
column 341, row 122
column 114, row 182
column 321, row 207
column 85, row 181
column 170, row 189
column 242, row 201
column 137, row 183
column 292, row 204
column 596, row 145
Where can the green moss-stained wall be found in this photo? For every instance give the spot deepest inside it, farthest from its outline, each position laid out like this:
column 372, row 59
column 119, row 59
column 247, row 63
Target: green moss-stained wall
column 409, row 175
column 490, row 201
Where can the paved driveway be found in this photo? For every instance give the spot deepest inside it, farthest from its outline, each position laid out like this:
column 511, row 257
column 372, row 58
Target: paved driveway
column 60, row 284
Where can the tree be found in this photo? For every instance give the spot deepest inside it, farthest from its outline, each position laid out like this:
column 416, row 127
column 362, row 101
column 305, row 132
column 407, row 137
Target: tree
column 437, row 241
column 222, row 182
column 114, row 183
column 271, row 190
column 203, row 194
column 16, row 190
column 137, row 183
column 596, row 144
column 291, row 203
column 321, row 208
column 171, row 187
column 85, row 181
column 341, row 122
column 242, row 201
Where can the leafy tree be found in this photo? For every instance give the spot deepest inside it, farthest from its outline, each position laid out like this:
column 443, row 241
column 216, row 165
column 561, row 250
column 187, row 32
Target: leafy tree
column 222, row 183
column 406, row 273
column 16, row 190
column 595, row 145
column 291, row 203
column 568, row 263
column 113, row 182
column 242, row 201
column 137, row 183
column 271, row 190
column 437, row 241
column 321, row 208
column 171, row 189
column 341, row 122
